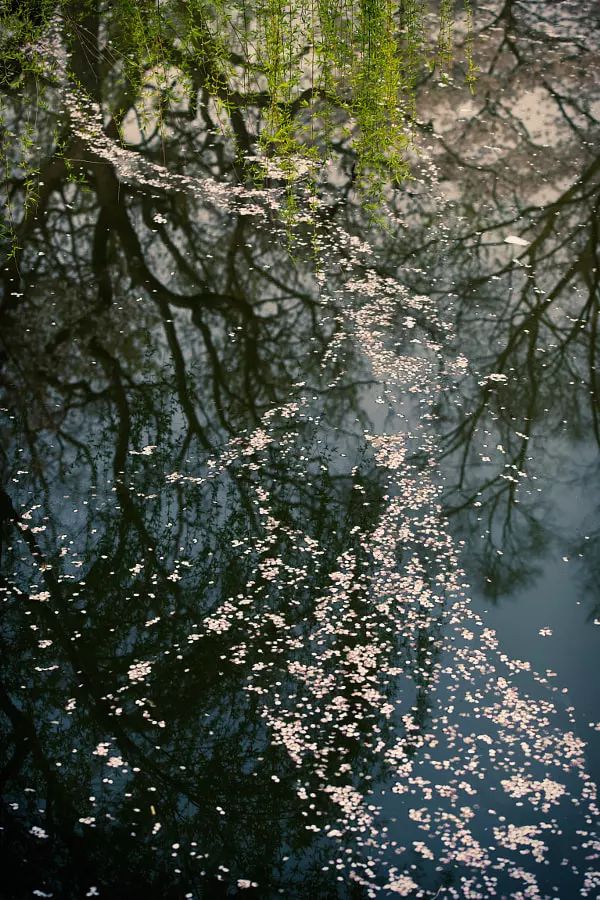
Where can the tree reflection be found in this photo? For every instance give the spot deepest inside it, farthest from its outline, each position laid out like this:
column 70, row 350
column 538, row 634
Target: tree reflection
column 526, row 316
column 121, row 566
column 147, row 335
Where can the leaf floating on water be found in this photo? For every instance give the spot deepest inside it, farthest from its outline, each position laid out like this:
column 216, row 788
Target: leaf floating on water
column 515, row 239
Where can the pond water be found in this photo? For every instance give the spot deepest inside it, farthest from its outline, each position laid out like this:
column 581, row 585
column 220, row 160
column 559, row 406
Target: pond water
column 303, row 598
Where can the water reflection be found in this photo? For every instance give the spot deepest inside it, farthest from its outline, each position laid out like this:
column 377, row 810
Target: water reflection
column 228, row 644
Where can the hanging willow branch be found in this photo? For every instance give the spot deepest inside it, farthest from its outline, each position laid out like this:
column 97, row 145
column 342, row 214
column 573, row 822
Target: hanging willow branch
column 315, row 72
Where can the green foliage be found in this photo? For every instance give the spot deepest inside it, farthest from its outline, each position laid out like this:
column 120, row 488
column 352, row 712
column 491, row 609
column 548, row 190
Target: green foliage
column 471, row 75
column 311, row 74
column 445, row 40
column 22, row 25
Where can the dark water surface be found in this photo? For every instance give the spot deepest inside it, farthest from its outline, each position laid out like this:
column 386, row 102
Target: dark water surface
column 304, row 598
